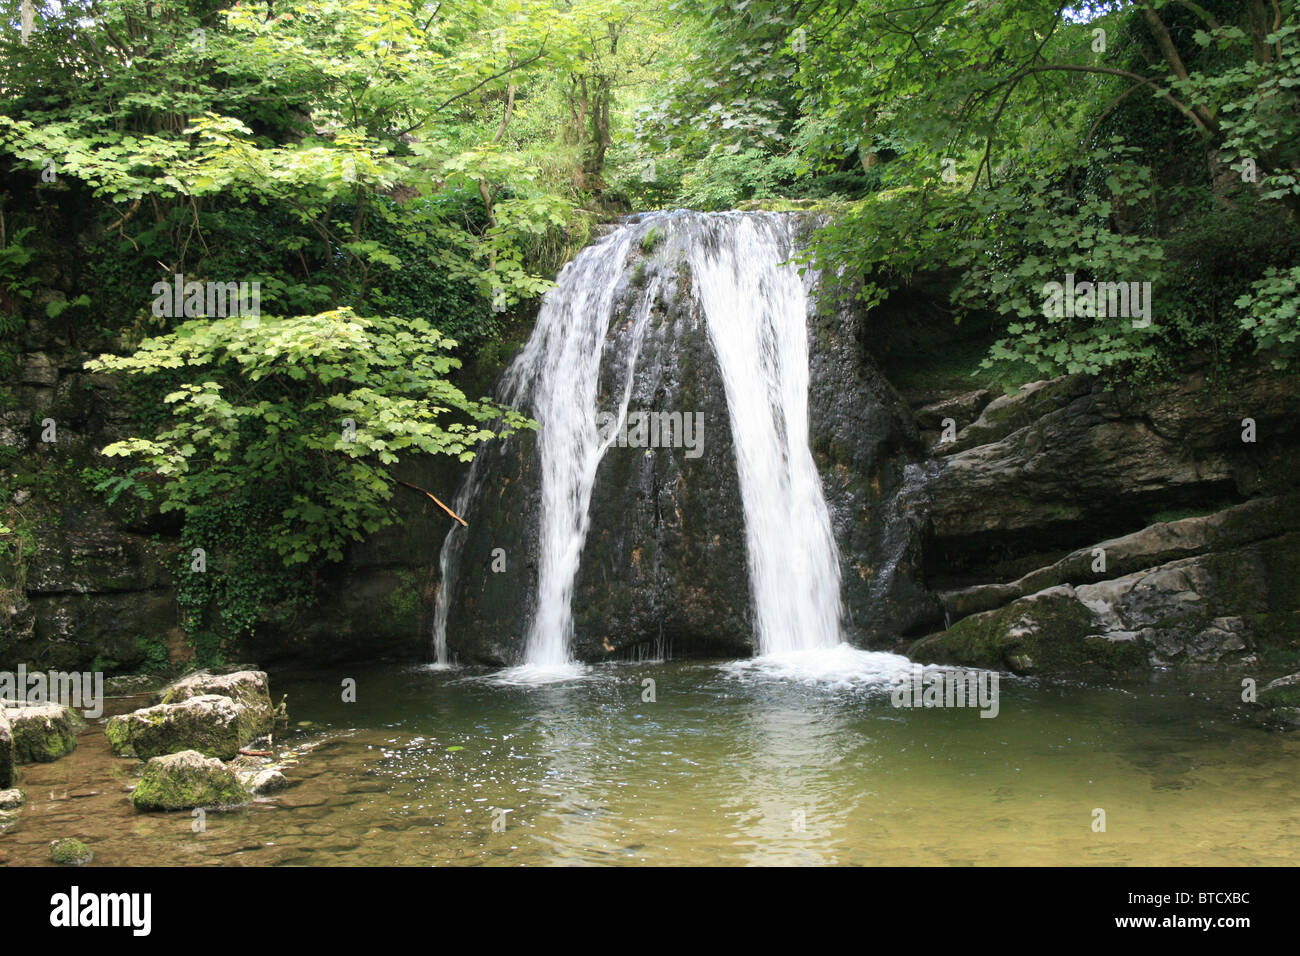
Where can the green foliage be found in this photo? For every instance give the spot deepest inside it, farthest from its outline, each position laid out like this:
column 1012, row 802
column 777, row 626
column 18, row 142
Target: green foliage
column 1272, row 314
column 1007, row 149
column 319, row 406
column 112, row 485
column 728, row 179
column 153, row 654
column 241, row 581
column 15, row 283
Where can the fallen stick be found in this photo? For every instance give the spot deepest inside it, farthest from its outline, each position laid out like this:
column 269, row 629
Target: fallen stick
column 435, row 501
column 256, row 753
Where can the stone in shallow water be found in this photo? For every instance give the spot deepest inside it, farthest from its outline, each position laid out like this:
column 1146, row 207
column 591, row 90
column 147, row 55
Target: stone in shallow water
column 42, row 732
column 267, row 780
column 249, row 688
column 70, row 852
column 12, row 799
column 213, row 726
column 185, row 780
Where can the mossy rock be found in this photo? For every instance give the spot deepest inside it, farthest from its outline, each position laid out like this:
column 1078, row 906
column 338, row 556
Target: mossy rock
column 185, row 780
column 249, row 689
column 118, row 732
column 1283, row 692
column 1048, row 631
column 70, row 852
column 211, row 725
column 43, row 733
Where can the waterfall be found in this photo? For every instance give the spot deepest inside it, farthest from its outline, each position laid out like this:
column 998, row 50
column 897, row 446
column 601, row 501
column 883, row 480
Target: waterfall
column 757, row 309
column 565, row 353
column 555, row 378
column 755, row 306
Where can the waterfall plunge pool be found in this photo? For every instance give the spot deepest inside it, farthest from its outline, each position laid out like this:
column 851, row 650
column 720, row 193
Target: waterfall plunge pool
column 729, row 764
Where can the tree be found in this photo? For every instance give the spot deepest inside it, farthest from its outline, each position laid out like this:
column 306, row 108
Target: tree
column 1011, row 151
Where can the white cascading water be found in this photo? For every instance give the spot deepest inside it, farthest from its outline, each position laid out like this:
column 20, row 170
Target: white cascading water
column 556, row 378
column 566, row 355
column 756, row 307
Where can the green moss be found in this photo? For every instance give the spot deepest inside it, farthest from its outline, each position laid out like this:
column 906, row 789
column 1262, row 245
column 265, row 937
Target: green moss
column 639, row 275
column 45, row 739
column 404, row 600
column 118, row 733
column 70, row 852
column 181, row 786
column 930, row 649
column 1114, row 655
column 652, row 240
column 1178, row 514
column 157, row 731
column 1051, row 634
column 153, row 652
column 980, row 640
column 1286, row 696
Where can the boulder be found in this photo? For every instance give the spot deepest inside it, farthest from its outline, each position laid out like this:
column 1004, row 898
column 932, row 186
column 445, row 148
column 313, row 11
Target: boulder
column 12, row 799
column 214, row 726
column 247, row 688
column 70, row 852
column 43, row 732
column 264, row 781
column 1157, row 544
column 182, row 781
column 1048, row 631
column 1209, row 609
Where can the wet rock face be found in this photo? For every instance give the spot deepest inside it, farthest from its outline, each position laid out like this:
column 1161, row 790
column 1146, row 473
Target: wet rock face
column 1214, row 589
column 490, row 609
column 1159, row 544
column 862, row 436
column 1211, row 609
column 1067, row 462
column 664, row 564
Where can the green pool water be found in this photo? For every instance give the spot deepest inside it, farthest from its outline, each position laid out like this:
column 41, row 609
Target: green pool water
column 720, row 768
